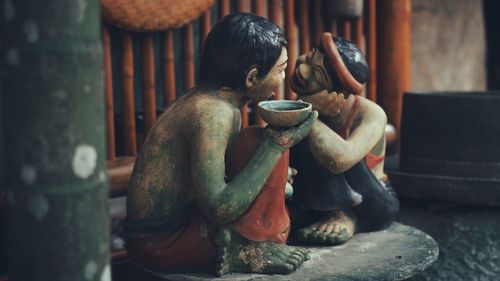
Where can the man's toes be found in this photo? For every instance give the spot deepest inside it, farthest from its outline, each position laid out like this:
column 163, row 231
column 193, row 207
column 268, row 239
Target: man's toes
column 283, row 268
column 295, row 261
column 299, row 257
column 303, row 250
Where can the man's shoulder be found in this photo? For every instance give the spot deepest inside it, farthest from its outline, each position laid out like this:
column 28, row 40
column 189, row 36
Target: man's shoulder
column 206, row 111
column 211, row 106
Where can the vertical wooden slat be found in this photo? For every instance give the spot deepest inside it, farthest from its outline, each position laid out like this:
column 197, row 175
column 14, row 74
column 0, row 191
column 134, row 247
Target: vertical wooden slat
column 357, row 32
column 371, row 50
column 128, row 110
column 258, row 7
column 394, row 45
column 243, row 6
column 240, row 6
column 319, row 23
column 357, row 38
column 346, row 29
column 108, row 87
column 188, row 57
column 292, row 46
column 334, row 28
column 223, row 8
column 275, row 15
column 304, row 26
column 148, row 82
column 206, row 25
column 168, row 68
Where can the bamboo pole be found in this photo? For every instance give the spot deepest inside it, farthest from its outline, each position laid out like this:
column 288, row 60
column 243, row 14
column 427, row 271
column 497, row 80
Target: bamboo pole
column 206, row 25
column 129, row 137
column 346, row 29
column 319, row 22
column 371, row 50
column 357, row 32
column 304, row 27
column 292, row 47
column 394, row 54
column 108, row 86
column 258, row 9
column 168, row 68
column 243, row 6
column 223, row 8
column 148, row 82
column 276, row 16
column 240, row 6
column 188, row 57
column 53, row 95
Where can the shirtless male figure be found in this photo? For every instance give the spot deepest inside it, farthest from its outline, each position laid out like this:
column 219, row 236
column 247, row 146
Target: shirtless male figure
column 185, row 211
column 341, row 187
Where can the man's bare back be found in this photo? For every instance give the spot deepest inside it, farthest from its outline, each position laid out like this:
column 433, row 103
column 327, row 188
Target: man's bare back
column 167, row 190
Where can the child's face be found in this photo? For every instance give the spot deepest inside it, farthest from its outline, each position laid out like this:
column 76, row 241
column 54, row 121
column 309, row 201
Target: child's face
column 310, row 75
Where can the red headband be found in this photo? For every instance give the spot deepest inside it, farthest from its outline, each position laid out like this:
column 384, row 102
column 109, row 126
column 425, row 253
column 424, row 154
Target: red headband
column 339, row 68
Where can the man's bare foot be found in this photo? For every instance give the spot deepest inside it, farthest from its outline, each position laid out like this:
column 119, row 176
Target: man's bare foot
column 335, row 228
column 237, row 254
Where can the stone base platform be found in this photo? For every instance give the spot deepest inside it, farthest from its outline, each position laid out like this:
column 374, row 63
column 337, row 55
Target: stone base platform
column 396, row 253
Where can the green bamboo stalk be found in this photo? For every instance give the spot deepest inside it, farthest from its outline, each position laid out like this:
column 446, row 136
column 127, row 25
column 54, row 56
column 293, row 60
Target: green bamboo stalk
column 55, row 169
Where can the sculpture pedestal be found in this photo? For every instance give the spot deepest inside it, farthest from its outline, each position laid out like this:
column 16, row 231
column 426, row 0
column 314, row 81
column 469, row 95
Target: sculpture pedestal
column 396, row 253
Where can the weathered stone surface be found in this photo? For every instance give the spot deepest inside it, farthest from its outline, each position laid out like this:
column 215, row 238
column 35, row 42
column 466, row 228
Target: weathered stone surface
column 468, row 238
column 448, row 45
column 393, row 254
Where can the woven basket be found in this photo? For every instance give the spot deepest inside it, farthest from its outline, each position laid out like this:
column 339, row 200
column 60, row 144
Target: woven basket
column 152, row 15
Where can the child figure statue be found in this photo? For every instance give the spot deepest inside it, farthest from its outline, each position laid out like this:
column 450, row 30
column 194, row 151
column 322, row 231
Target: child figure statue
column 340, row 188
column 203, row 196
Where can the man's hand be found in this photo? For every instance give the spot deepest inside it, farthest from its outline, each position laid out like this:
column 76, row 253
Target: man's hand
column 289, row 137
column 328, row 104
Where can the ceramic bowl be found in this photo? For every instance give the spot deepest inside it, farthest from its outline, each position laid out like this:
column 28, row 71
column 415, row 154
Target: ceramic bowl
column 283, row 113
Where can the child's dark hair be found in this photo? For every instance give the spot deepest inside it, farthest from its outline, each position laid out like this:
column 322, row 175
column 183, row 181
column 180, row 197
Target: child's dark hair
column 353, row 59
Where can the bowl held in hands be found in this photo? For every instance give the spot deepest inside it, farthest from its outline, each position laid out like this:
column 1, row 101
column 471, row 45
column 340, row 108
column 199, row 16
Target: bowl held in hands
column 284, row 113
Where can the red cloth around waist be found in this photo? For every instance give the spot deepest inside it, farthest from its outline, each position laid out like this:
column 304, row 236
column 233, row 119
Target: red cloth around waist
column 267, row 218
column 191, row 248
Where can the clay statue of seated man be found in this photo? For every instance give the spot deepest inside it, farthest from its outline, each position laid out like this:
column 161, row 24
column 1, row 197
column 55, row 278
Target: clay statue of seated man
column 341, row 187
column 203, row 196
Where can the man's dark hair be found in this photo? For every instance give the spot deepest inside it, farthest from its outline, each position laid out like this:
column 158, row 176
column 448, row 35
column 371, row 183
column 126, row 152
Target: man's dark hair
column 237, row 43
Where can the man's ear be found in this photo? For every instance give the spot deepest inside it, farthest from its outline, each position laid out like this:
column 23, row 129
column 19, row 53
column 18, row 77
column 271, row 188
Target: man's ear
column 251, row 78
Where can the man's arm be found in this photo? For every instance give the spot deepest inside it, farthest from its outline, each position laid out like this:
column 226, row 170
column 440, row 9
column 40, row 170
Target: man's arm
column 337, row 154
column 224, row 202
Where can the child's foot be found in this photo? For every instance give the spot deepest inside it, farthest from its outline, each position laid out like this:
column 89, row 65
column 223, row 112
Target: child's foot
column 335, row 228
column 237, row 254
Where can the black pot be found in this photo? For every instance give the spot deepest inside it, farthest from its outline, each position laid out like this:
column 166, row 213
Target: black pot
column 451, row 133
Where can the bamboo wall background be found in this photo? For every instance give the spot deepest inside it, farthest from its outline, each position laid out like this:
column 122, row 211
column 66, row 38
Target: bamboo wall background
column 146, row 72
